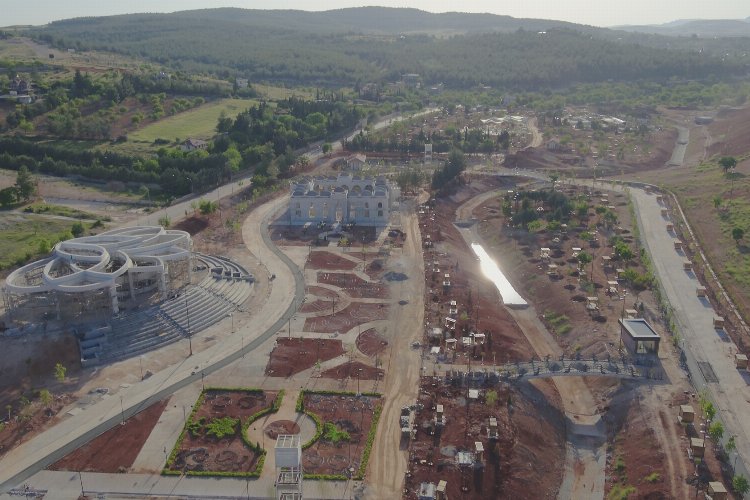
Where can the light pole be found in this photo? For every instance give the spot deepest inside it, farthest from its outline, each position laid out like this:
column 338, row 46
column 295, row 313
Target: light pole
column 190, row 337
column 122, row 411
column 140, row 362
column 203, row 385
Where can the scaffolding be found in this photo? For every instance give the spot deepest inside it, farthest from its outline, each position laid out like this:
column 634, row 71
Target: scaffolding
column 288, row 455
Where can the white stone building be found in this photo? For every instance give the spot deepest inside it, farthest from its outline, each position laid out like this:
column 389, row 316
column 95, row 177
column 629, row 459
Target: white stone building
column 346, row 199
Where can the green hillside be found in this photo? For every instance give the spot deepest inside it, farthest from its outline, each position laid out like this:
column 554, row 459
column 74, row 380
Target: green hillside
column 376, row 44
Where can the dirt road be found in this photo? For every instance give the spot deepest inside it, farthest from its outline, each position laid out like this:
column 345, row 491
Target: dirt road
column 388, row 462
column 536, row 136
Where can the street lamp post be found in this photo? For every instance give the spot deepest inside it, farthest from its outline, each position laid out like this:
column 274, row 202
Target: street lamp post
column 190, row 337
column 122, row 411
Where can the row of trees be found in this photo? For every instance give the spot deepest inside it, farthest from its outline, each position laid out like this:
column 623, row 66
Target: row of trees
column 469, row 141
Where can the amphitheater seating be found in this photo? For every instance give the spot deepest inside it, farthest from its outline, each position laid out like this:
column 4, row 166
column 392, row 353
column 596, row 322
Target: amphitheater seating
column 195, row 309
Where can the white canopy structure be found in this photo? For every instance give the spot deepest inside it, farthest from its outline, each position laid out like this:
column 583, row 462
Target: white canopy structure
column 97, row 274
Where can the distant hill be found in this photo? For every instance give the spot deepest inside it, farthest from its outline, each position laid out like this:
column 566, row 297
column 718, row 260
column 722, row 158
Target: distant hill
column 341, row 47
column 378, row 20
column 699, row 27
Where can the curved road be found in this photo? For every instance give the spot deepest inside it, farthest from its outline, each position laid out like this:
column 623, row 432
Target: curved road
column 53, row 444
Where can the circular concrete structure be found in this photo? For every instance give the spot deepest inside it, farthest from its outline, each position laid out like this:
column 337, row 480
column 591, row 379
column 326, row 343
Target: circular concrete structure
column 98, row 275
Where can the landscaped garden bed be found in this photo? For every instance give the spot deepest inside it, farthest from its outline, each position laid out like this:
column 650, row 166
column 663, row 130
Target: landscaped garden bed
column 214, row 442
column 346, row 424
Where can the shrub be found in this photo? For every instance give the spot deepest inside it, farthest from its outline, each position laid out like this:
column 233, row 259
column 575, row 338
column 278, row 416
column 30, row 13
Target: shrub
column 654, row 477
column 621, row 492
column 221, row 427
column 368, row 446
column 334, row 434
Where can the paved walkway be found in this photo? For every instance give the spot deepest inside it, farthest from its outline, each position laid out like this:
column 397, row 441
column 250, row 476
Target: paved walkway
column 287, row 412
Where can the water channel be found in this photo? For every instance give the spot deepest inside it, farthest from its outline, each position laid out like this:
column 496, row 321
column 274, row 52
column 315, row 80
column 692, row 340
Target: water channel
column 508, row 294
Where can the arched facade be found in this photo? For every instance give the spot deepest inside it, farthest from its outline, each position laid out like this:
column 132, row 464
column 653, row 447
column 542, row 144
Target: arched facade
column 346, row 199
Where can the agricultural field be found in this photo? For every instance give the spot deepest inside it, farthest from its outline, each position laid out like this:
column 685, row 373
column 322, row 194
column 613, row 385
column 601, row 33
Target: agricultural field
column 273, row 93
column 198, row 123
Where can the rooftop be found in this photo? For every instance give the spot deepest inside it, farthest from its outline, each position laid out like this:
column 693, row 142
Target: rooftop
column 287, row 441
column 639, row 329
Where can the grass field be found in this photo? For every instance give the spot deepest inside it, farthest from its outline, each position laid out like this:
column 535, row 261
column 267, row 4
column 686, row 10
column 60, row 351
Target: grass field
column 198, row 123
column 278, row 93
column 21, row 235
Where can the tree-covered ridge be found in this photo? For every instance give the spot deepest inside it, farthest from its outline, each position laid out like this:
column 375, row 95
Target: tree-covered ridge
column 278, row 51
column 261, row 138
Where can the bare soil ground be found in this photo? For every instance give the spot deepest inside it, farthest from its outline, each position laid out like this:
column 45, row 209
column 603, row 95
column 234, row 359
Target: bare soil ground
column 286, row 235
column 511, row 465
column 349, row 413
column 229, row 454
column 353, row 285
column 28, row 420
column 371, row 343
column 28, row 365
column 353, row 370
column 564, row 294
column 354, row 314
column 291, row 356
column 476, row 298
column 116, row 449
column 327, row 260
column 278, row 427
column 535, row 443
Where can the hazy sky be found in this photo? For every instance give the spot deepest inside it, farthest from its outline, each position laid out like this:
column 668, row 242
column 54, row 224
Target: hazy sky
column 596, row 12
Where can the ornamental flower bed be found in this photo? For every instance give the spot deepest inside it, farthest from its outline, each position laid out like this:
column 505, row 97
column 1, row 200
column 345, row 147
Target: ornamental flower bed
column 213, row 442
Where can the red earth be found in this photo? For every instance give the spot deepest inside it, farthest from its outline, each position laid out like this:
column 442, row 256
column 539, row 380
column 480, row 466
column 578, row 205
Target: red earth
column 344, row 320
column 274, row 429
column 371, row 343
column 523, row 462
column 327, row 260
column 353, row 285
column 350, row 413
column 353, row 370
column 116, row 449
column 291, row 356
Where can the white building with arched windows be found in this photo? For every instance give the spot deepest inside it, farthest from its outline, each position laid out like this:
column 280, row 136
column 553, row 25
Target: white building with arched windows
column 346, row 199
